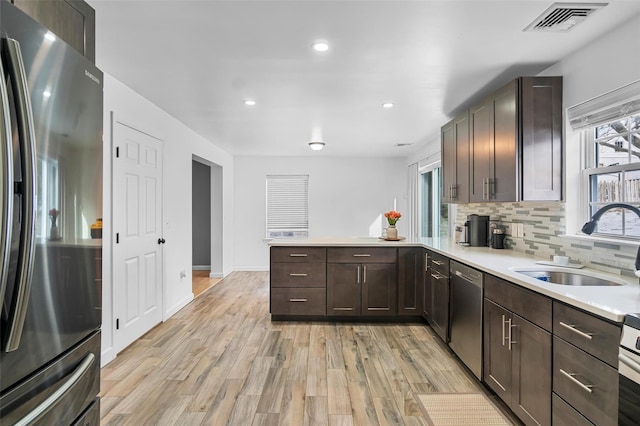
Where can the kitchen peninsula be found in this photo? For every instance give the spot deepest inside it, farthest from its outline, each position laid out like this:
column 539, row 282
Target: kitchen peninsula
column 611, row 303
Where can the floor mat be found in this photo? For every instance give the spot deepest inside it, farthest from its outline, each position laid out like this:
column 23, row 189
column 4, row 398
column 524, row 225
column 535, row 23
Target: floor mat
column 459, row 409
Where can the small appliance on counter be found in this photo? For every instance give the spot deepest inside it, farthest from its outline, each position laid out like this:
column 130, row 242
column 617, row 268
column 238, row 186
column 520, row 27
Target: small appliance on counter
column 478, row 230
column 462, row 234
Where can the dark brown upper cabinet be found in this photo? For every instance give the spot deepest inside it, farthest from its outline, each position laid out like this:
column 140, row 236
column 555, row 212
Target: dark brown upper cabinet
column 514, row 148
column 73, row 21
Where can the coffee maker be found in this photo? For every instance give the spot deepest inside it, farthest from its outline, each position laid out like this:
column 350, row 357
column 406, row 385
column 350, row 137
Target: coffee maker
column 478, row 230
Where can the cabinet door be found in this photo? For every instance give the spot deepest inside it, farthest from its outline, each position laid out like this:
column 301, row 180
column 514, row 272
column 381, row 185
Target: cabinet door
column 462, row 142
column 541, row 101
column 503, row 178
column 71, row 20
column 449, row 163
column 440, row 305
column 427, row 295
column 344, row 288
column 379, row 289
column 532, row 372
column 497, row 357
column 410, row 277
column 480, row 117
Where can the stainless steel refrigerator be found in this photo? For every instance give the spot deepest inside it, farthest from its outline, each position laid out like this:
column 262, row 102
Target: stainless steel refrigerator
column 50, row 195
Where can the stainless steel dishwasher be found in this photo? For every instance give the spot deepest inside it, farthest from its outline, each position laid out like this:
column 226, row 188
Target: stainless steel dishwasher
column 466, row 315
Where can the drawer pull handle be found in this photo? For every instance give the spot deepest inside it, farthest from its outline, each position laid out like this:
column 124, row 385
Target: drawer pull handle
column 573, row 328
column 361, row 255
column 437, row 262
column 438, row 276
column 298, row 255
column 343, row 309
column 297, row 275
column 576, row 381
column 297, row 300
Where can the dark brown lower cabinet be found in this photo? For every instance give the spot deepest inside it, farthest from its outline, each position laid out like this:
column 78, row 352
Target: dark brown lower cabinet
column 410, row 276
column 517, row 363
column 361, row 289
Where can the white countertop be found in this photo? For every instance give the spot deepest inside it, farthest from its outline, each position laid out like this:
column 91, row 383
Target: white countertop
column 611, row 302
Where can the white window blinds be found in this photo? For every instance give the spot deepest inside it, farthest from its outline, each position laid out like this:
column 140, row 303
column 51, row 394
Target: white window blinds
column 287, row 206
column 615, row 105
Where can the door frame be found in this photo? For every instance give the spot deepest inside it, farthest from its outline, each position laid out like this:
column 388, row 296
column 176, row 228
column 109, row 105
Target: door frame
column 110, row 232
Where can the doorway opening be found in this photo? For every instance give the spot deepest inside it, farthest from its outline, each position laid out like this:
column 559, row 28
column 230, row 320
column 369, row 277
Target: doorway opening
column 206, row 232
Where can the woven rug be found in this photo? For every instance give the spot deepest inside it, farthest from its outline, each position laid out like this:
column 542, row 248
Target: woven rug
column 459, row 409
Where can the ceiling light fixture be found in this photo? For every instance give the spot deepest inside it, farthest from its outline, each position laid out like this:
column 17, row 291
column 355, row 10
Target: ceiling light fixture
column 316, row 146
column 388, row 105
column 49, row 36
column 249, row 102
column 320, row 46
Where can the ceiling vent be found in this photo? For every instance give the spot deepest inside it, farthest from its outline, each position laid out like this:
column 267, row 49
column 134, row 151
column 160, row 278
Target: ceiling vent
column 561, row 17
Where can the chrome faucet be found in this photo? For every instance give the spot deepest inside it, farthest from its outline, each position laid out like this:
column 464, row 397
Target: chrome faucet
column 590, row 226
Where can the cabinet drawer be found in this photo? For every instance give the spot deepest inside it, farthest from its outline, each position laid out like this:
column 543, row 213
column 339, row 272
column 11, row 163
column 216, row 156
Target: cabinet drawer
column 529, row 305
column 298, row 274
column 440, row 263
column 298, row 301
column 586, row 383
column 361, row 255
column 566, row 415
column 590, row 333
column 298, row 254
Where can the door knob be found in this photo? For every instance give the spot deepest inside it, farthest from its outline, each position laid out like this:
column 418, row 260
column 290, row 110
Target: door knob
column 161, row 241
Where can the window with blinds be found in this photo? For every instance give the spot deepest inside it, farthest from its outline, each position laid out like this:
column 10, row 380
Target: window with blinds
column 287, row 206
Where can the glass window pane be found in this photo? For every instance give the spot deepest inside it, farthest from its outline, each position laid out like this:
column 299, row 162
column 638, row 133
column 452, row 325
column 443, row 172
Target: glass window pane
column 611, row 222
column 632, row 186
column 605, row 188
column 613, row 151
column 612, row 129
column 632, row 224
column 635, row 123
column 635, row 147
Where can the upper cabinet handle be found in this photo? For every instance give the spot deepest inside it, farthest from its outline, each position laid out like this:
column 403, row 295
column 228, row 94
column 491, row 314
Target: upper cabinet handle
column 361, row 255
column 298, row 255
column 573, row 328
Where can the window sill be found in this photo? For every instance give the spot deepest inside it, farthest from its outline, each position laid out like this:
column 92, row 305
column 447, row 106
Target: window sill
column 608, row 240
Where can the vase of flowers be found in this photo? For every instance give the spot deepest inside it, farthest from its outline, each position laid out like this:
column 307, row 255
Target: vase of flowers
column 392, row 217
column 54, row 232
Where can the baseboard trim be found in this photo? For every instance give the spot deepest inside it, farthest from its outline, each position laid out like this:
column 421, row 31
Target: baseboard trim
column 175, row 308
column 107, row 356
column 216, row 275
column 201, row 268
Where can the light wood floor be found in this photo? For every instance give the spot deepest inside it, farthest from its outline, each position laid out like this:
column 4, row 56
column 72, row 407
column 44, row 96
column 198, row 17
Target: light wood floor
column 221, row 360
column 201, row 282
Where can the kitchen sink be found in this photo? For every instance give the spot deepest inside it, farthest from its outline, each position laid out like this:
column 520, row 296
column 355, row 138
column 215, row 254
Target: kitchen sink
column 561, row 276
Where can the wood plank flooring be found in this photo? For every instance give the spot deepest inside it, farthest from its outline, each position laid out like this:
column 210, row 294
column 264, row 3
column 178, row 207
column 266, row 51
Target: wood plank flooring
column 201, row 282
column 221, row 360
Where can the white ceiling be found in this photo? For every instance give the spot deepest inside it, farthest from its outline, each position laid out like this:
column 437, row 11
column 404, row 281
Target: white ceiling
column 199, row 60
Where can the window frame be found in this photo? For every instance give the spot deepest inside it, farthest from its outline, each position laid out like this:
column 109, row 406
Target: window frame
column 590, row 169
column 299, row 228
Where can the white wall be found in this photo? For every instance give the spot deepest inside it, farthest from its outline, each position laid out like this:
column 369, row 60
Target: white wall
column 604, row 65
column 346, row 196
column 180, row 145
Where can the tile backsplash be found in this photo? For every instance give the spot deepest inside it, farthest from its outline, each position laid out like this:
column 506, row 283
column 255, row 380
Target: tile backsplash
column 543, row 224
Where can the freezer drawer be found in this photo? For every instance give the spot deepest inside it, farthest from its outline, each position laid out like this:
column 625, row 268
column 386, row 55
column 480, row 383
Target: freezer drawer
column 60, row 392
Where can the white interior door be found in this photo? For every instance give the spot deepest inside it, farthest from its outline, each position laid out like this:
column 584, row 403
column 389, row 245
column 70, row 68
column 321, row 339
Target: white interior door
column 137, row 248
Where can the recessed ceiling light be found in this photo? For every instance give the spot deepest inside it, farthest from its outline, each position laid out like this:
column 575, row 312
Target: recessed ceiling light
column 316, row 146
column 388, row 105
column 249, row 102
column 49, row 36
column 46, row 94
column 320, row 46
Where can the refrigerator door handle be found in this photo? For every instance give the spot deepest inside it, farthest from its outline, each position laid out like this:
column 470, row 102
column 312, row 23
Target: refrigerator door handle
column 24, row 117
column 51, row 401
column 6, row 185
